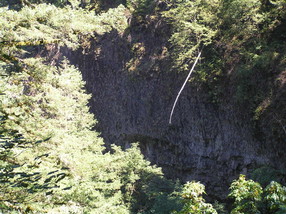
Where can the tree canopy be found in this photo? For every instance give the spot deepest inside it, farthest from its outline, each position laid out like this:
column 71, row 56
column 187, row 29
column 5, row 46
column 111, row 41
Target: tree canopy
column 51, row 159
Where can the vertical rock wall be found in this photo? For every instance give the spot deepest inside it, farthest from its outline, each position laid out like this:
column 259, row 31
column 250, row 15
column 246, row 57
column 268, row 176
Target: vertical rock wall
column 207, row 142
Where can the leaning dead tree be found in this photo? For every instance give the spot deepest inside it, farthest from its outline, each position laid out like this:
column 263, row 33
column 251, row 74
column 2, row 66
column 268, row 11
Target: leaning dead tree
column 182, row 88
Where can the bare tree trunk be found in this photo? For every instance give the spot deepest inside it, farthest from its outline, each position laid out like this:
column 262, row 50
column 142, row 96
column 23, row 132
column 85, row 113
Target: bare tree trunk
column 188, row 77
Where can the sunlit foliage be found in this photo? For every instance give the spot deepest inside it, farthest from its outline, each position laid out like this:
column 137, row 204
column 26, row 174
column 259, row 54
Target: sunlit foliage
column 193, row 200
column 64, row 168
column 195, row 24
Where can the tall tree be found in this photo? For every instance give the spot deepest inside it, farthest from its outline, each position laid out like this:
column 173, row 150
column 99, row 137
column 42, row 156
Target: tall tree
column 66, row 167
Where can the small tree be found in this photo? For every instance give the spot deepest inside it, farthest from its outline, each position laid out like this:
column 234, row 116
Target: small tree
column 193, row 201
column 247, row 195
column 275, row 198
column 195, row 24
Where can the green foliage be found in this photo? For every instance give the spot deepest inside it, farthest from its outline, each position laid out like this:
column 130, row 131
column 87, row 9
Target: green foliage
column 46, row 24
column 242, row 42
column 247, row 195
column 264, row 175
column 240, row 21
column 195, row 24
column 158, row 196
column 275, row 198
column 140, row 7
column 247, row 36
column 53, row 161
column 41, row 101
column 136, row 7
column 46, row 101
column 220, row 207
column 193, row 201
column 201, row 23
column 109, row 181
column 275, row 12
column 251, row 198
column 18, row 4
column 22, row 185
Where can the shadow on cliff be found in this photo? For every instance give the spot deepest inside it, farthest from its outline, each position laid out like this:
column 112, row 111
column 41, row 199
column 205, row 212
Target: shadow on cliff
column 133, row 91
column 260, row 90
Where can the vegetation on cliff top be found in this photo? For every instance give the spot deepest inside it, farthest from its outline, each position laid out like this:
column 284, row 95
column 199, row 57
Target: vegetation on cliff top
column 51, row 159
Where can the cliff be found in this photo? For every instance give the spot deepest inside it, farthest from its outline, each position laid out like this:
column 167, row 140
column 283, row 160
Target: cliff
column 133, row 91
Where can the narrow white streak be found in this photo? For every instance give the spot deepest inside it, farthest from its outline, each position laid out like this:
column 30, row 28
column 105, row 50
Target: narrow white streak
column 279, row 121
column 188, row 77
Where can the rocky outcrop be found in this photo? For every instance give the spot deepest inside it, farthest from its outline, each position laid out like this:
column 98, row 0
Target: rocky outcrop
column 209, row 142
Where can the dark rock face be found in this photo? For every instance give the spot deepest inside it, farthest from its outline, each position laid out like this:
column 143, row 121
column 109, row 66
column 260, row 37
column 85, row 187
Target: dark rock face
column 207, row 142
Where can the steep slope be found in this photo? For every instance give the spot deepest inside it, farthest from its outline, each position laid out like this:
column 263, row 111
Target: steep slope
column 133, row 91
